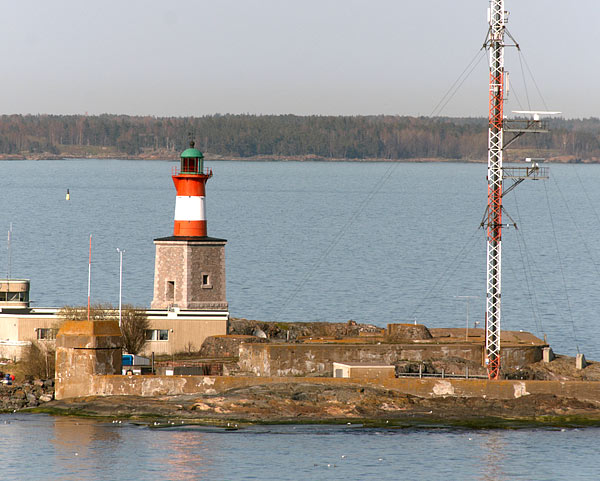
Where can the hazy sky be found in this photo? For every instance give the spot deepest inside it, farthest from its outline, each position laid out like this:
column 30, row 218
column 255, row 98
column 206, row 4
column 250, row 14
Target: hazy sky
column 331, row 57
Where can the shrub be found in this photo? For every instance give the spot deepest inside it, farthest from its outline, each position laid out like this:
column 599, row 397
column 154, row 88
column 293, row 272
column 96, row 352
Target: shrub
column 39, row 361
column 134, row 321
column 134, row 324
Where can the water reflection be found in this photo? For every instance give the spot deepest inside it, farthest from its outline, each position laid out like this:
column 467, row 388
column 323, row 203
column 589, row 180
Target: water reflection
column 87, row 449
column 83, row 446
column 493, row 457
column 184, row 454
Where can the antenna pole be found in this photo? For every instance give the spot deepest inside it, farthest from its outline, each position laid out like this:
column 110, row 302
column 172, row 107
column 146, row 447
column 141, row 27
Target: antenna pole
column 9, row 252
column 89, row 278
column 467, row 298
column 120, row 284
column 495, row 45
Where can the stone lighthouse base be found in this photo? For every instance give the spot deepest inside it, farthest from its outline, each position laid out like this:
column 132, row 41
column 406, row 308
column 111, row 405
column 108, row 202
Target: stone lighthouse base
column 189, row 273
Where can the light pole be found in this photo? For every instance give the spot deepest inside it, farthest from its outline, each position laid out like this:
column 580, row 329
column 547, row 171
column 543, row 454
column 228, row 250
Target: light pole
column 120, row 283
column 468, row 298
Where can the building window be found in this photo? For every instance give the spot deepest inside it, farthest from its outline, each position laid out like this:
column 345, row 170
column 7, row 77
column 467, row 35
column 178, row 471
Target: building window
column 170, row 291
column 14, row 296
column 157, row 334
column 46, row 333
column 206, row 281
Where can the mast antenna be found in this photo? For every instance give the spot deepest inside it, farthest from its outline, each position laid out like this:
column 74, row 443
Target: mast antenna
column 8, row 246
column 89, row 278
column 495, row 44
column 496, row 173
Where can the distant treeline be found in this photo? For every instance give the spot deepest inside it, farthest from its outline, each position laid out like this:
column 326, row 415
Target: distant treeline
column 328, row 137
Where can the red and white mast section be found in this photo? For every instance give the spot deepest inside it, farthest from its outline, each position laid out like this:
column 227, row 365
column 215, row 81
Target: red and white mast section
column 496, row 174
column 190, row 183
column 495, row 44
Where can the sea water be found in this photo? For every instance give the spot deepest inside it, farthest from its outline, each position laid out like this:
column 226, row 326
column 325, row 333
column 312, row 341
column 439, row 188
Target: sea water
column 315, row 241
column 372, row 242
column 37, row 447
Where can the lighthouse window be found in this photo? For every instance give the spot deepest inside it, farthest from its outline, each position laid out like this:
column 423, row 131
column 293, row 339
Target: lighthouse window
column 170, row 290
column 205, row 280
column 189, row 165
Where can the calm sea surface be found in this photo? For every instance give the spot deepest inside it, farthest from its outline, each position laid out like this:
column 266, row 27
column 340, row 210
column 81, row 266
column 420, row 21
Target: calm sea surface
column 41, row 447
column 372, row 242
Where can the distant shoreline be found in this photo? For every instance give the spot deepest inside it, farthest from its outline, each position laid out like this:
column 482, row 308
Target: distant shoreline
column 173, row 156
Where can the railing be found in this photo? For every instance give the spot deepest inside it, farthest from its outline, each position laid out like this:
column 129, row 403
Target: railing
column 525, row 125
column 177, row 171
column 531, row 172
column 442, row 375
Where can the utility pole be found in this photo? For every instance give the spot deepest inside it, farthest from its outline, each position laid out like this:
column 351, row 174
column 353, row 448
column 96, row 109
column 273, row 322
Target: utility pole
column 89, row 279
column 468, row 299
column 120, row 285
column 9, row 266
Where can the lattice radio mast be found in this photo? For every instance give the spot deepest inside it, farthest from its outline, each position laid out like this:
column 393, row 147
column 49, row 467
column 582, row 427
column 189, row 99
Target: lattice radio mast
column 495, row 43
column 497, row 18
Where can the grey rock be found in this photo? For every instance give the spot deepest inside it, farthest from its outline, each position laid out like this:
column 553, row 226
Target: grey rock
column 258, row 332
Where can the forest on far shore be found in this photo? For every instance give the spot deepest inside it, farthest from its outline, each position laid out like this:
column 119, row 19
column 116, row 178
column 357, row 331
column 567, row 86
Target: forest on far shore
column 285, row 136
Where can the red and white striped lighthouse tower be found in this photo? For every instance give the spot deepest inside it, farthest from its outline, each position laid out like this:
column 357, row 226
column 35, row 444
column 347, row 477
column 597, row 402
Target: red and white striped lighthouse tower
column 189, row 270
column 190, row 182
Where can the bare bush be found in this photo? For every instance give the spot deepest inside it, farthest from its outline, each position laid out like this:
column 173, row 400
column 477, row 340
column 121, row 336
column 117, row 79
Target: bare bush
column 134, row 321
column 134, row 324
column 189, row 347
column 39, row 361
column 98, row 312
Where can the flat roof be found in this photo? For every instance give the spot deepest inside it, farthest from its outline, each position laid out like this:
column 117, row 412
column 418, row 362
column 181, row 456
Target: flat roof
column 364, row 364
column 191, row 238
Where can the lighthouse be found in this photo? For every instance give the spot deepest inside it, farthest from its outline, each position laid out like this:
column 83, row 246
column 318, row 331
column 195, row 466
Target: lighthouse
column 189, row 270
column 190, row 183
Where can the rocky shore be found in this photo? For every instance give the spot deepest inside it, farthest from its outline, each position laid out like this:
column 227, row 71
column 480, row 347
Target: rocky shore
column 313, row 402
column 309, row 402
column 29, row 394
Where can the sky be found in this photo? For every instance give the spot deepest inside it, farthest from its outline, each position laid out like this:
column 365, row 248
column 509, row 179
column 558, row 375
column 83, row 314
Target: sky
column 325, row 57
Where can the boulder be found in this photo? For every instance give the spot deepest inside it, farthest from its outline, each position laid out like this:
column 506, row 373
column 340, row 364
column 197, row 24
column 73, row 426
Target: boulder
column 407, row 332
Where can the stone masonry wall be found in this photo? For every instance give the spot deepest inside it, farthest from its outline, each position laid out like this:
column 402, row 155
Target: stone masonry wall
column 318, row 359
column 427, row 388
column 185, row 262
